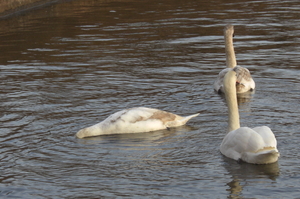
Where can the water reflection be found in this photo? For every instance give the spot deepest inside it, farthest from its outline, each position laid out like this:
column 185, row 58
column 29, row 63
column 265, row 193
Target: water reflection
column 246, row 175
column 243, row 99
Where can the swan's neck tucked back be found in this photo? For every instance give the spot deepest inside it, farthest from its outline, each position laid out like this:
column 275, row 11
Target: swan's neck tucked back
column 230, row 55
column 231, row 100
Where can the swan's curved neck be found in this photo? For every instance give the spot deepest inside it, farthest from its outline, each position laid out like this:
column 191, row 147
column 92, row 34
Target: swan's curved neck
column 229, row 50
column 231, row 100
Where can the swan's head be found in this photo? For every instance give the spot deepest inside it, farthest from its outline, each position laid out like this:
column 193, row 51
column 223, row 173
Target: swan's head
column 229, row 30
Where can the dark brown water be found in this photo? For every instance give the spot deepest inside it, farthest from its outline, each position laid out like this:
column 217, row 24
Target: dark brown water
column 70, row 65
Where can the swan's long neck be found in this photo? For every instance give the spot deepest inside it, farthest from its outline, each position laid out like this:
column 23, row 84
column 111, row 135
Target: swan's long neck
column 90, row 131
column 231, row 100
column 230, row 55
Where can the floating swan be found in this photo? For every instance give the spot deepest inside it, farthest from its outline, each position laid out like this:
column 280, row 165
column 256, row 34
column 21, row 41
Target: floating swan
column 135, row 120
column 244, row 82
column 257, row 145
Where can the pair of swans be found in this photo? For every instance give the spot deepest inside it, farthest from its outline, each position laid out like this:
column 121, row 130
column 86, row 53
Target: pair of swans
column 257, row 145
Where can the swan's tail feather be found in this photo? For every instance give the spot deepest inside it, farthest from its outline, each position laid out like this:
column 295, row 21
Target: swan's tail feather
column 268, row 156
column 187, row 118
column 262, row 157
column 182, row 121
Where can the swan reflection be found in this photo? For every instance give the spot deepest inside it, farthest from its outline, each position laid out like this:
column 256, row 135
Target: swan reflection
column 244, row 174
column 243, row 99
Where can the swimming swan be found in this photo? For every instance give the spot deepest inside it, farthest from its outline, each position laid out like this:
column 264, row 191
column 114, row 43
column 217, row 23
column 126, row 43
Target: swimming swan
column 257, row 145
column 135, row 120
column 244, row 81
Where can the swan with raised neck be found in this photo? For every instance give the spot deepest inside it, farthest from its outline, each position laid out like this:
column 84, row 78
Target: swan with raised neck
column 229, row 49
column 257, row 145
column 244, row 82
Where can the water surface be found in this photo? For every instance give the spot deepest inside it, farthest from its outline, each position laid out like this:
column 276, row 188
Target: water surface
column 69, row 65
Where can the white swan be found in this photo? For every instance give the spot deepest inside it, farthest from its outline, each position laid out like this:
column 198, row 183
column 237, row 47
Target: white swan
column 257, row 145
column 244, row 82
column 135, row 120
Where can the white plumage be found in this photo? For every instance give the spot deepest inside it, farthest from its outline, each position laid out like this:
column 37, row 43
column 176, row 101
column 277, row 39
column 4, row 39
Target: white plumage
column 257, row 145
column 244, row 82
column 135, row 120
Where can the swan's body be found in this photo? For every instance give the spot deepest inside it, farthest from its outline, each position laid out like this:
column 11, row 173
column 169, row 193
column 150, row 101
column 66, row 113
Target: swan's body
column 257, row 145
column 135, row 120
column 244, row 82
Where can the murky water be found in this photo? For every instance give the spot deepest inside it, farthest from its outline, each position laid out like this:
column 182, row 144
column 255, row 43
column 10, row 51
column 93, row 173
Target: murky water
column 70, row 65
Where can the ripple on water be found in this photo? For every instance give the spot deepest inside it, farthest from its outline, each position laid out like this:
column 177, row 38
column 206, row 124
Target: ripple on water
column 98, row 58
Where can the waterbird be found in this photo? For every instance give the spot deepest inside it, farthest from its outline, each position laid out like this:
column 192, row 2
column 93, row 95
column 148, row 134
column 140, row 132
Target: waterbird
column 257, row 145
column 244, row 81
column 135, row 120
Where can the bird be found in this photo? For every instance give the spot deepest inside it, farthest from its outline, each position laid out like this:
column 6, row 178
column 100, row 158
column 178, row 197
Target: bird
column 244, row 82
column 135, row 120
column 257, row 145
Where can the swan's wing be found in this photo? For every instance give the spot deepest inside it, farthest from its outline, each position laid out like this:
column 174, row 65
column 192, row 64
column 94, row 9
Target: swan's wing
column 242, row 73
column 244, row 79
column 142, row 114
column 148, row 118
column 218, row 84
column 239, row 141
column 267, row 135
column 135, row 120
column 132, row 115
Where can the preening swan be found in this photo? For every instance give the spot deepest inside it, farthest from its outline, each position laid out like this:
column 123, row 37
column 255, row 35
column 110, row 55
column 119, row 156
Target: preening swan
column 257, row 145
column 135, row 120
column 244, row 82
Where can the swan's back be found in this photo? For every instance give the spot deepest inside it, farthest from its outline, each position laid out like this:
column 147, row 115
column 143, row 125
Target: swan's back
column 257, row 145
column 244, row 83
column 244, row 80
column 267, row 135
column 138, row 120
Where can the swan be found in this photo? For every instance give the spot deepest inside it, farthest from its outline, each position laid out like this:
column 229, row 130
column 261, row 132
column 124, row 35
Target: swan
column 257, row 145
column 244, row 82
column 135, row 120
